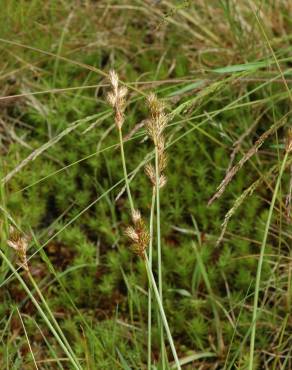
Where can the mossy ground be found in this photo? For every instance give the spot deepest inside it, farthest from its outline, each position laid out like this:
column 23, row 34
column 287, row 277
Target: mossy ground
column 213, row 66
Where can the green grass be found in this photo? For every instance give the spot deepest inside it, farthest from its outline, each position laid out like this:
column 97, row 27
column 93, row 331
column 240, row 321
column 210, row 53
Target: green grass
column 223, row 70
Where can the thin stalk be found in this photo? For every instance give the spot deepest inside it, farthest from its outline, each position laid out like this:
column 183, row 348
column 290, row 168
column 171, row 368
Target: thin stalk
column 149, row 290
column 161, row 310
column 159, row 259
column 40, row 310
column 158, row 222
column 125, row 170
column 27, row 339
column 5, row 226
column 260, row 263
column 50, row 314
column 212, row 300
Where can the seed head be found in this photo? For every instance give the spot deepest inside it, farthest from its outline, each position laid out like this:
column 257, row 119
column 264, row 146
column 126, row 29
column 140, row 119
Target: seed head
column 136, row 216
column 116, row 98
column 155, row 126
column 114, row 79
column 162, row 181
column 156, row 106
column 19, row 243
column 150, row 172
column 138, row 235
column 130, row 232
column 157, row 122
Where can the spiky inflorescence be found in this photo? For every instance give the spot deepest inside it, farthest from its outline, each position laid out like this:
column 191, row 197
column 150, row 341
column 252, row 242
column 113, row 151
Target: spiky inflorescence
column 138, row 234
column 116, row 98
column 155, row 126
column 19, row 243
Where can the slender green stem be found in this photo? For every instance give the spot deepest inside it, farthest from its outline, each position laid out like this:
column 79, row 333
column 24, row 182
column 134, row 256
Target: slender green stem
column 149, row 290
column 27, row 339
column 5, row 226
column 212, row 298
column 125, row 170
column 158, row 222
column 159, row 258
column 260, row 263
column 161, row 310
column 51, row 314
column 40, row 310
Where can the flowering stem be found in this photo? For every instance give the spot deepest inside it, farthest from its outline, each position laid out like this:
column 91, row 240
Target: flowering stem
column 125, row 170
column 159, row 258
column 149, row 290
column 161, row 310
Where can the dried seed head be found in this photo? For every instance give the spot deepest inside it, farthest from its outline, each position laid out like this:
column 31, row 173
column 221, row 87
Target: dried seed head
column 155, row 126
column 150, row 172
column 289, row 141
column 111, row 98
column 116, row 98
column 20, row 244
column 162, row 181
column 138, row 235
column 123, row 91
column 130, row 232
column 155, row 105
column 158, row 119
column 136, row 216
column 114, row 79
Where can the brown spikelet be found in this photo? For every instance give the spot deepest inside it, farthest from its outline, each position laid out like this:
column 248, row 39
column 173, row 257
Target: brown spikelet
column 19, row 243
column 116, row 98
column 162, row 181
column 136, row 216
column 155, row 126
column 138, row 234
column 162, row 161
column 150, row 172
column 157, row 122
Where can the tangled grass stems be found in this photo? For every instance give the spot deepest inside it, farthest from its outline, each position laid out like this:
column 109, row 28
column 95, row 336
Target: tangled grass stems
column 19, row 243
column 68, row 352
column 44, row 302
column 262, row 251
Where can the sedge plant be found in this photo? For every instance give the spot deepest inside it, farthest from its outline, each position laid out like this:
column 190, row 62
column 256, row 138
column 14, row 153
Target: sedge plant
column 138, row 233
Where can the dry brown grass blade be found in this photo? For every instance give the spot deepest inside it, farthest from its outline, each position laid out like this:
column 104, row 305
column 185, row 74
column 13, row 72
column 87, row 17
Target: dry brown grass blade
column 229, row 176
